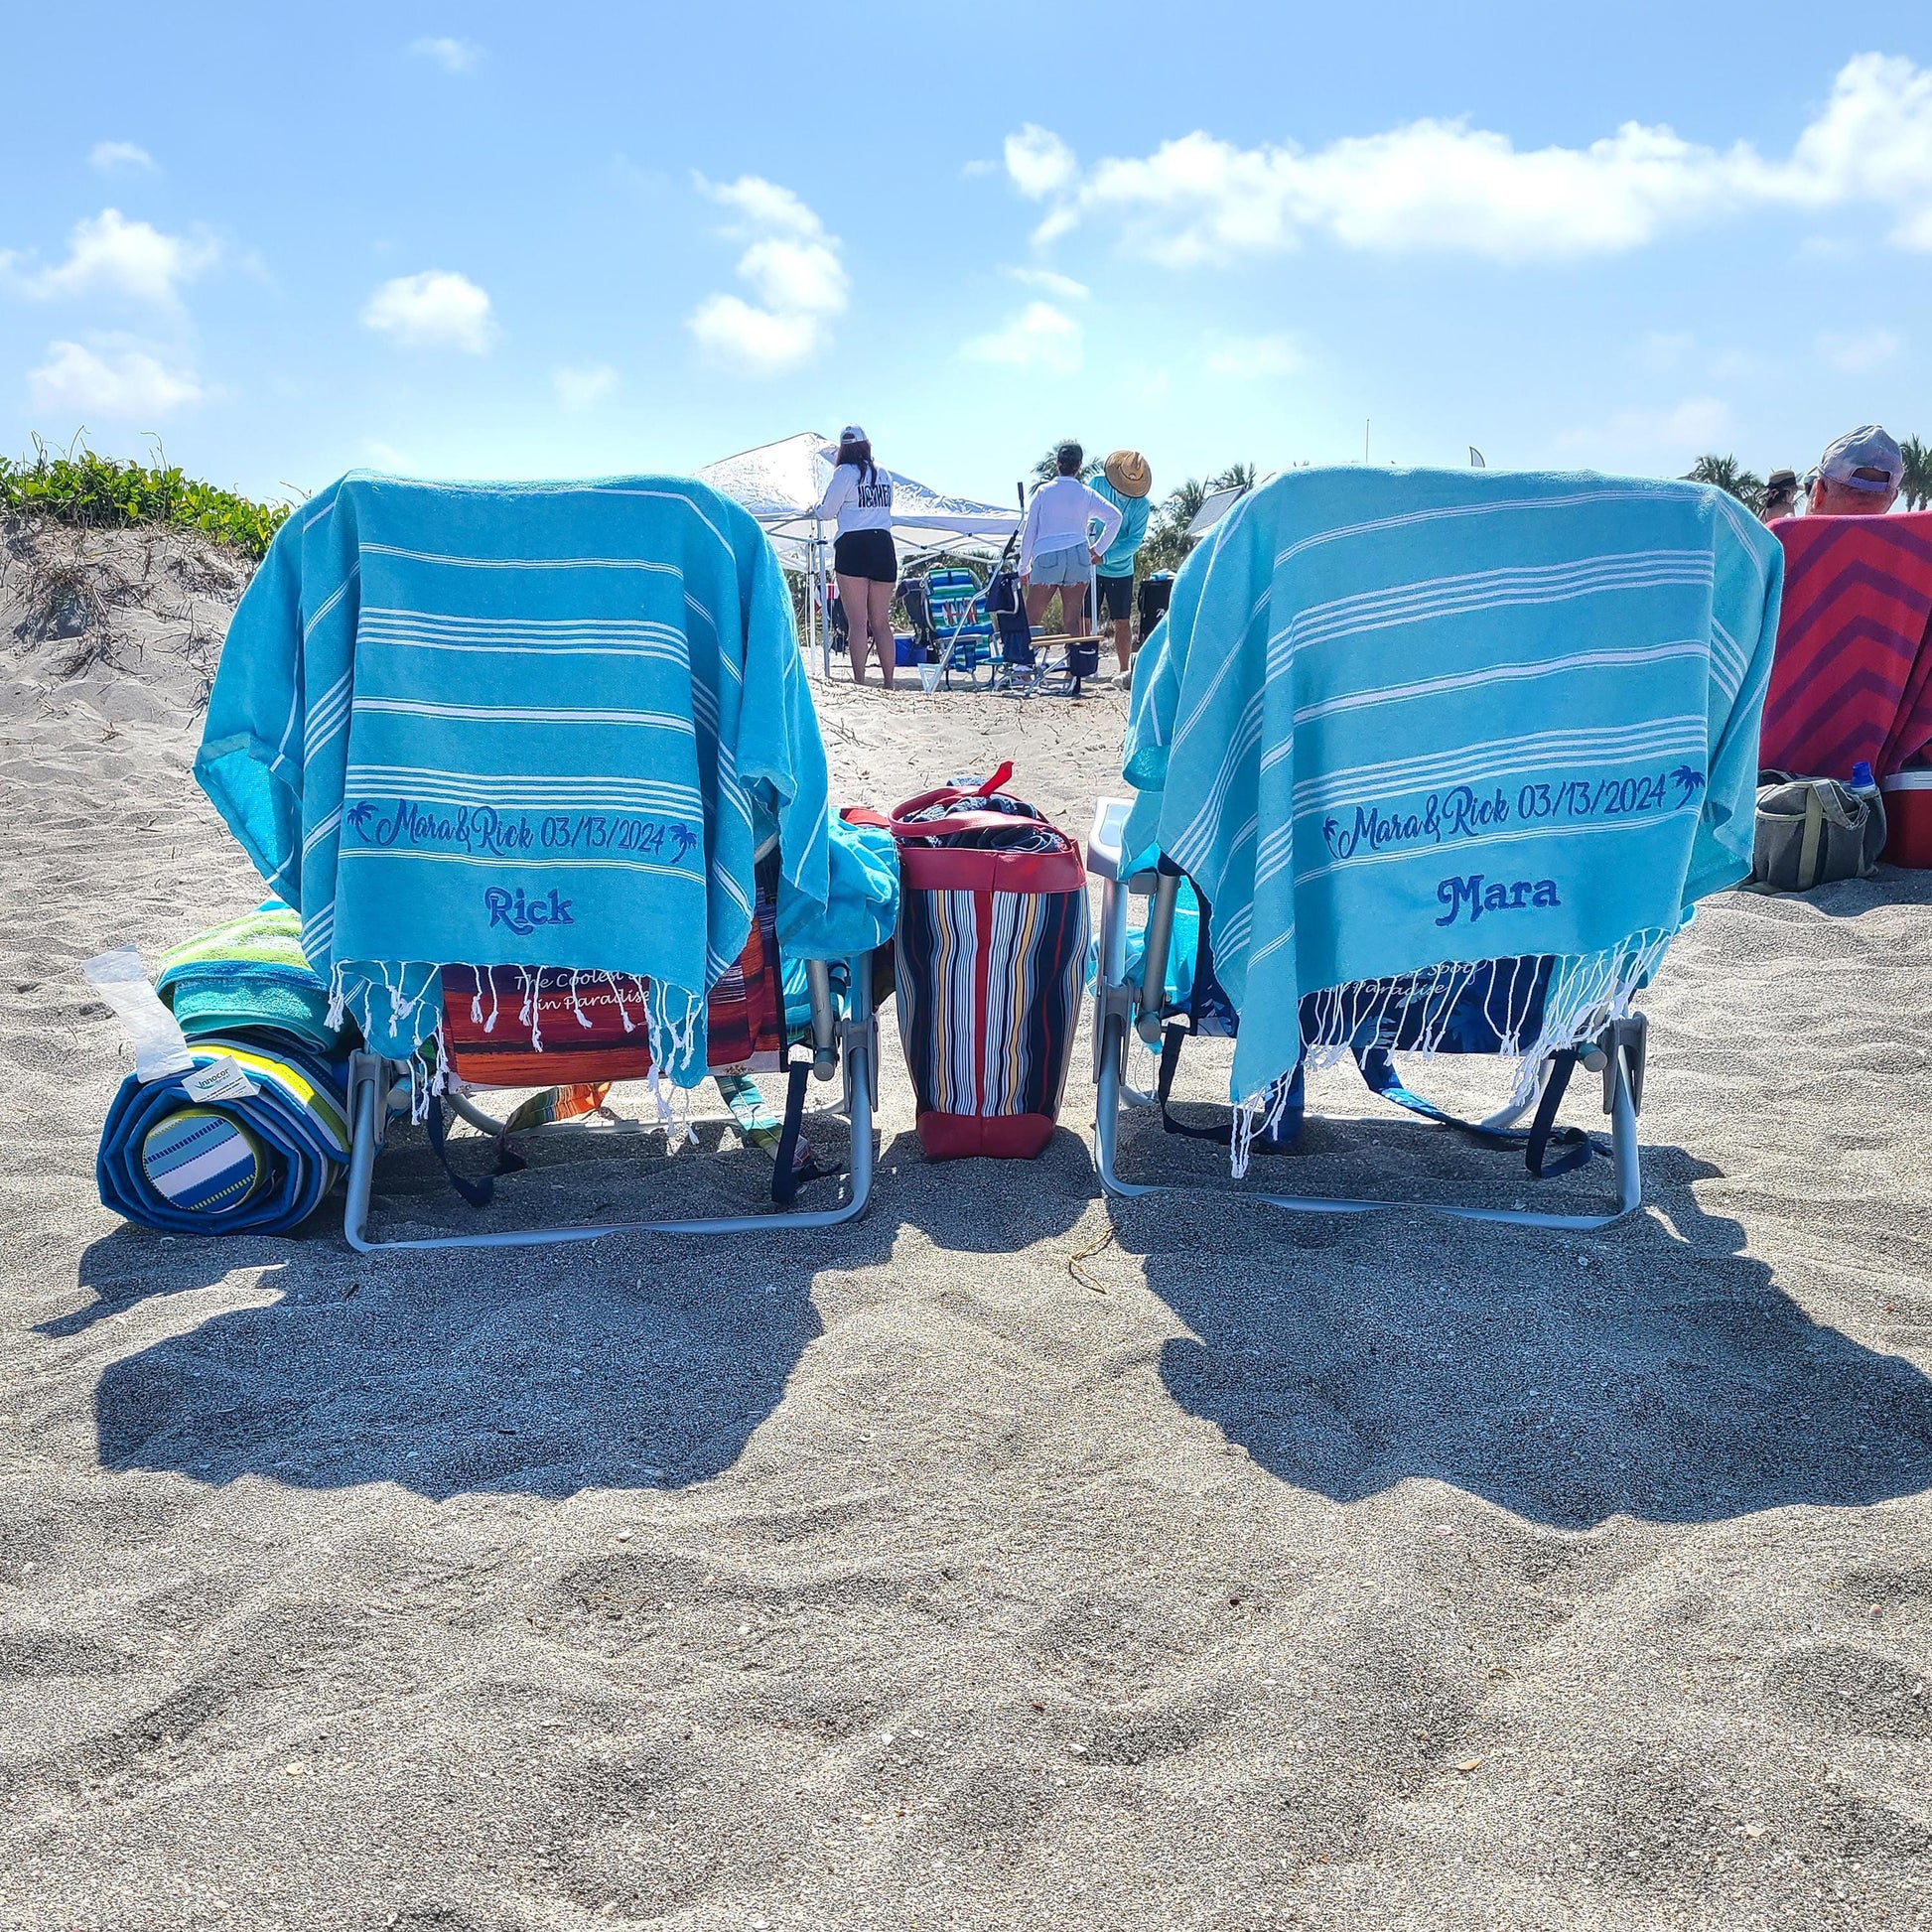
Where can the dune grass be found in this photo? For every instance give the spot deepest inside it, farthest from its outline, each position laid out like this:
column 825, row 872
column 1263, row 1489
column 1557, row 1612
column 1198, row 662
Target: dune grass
column 81, row 488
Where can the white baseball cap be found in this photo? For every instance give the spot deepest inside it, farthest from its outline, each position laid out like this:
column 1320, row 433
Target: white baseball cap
column 1863, row 458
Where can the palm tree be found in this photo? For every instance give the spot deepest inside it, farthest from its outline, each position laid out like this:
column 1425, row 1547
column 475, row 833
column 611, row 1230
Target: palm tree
column 1915, row 486
column 1237, row 475
column 1726, row 473
column 1049, row 466
column 1167, row 537
column 1184, row 503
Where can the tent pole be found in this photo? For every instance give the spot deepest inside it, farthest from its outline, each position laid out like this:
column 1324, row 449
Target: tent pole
column 818, row 594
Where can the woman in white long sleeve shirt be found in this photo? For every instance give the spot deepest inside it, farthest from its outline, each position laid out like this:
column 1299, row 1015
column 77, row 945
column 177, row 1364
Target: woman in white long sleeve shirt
column 1058, row 547
column 860, row 496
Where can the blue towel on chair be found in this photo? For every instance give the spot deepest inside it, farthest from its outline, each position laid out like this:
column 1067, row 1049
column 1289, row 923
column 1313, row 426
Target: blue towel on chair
column 510, row 724
column 1398, row 724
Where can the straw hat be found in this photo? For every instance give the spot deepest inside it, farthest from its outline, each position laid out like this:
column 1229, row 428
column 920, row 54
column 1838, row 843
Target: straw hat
column 1127, row 472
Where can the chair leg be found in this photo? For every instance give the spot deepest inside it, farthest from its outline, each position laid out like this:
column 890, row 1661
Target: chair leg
column 1107, row 1108
column 1623, row 1132
column 1624, row 1144
column 368, row 1103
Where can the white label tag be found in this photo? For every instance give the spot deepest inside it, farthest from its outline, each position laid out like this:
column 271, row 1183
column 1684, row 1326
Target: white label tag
column 220, row 1080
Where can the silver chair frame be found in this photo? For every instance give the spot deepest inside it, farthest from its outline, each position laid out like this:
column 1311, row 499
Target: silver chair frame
column 1121, row 1005
column 847, row 1042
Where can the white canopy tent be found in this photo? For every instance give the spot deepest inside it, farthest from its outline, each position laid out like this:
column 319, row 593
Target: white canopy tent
column 782, row 483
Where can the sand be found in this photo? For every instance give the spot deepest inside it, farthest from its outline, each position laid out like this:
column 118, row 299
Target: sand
column 1004, row 1559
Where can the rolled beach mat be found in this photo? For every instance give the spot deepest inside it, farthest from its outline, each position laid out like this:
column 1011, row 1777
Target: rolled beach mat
column 204, row 1161
column 257, row 1154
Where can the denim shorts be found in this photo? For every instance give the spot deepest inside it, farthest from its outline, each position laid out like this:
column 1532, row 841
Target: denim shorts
column 1068, row 566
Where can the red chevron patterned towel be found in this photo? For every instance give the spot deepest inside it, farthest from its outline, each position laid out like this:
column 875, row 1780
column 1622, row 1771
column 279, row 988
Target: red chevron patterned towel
column 1853, row 676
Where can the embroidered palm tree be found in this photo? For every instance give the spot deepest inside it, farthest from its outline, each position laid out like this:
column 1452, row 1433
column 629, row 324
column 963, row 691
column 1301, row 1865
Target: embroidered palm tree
column 1689, row 781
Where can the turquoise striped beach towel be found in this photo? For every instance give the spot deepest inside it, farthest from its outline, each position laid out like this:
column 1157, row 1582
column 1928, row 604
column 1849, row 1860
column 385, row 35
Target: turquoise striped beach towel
column 1400, row 724
column 518, row 724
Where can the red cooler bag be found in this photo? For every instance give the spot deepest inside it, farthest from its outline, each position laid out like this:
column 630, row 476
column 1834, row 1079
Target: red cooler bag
column 990, row 960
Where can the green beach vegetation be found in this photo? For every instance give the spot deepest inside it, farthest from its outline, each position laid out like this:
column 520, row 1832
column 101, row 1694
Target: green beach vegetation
column 79, row 488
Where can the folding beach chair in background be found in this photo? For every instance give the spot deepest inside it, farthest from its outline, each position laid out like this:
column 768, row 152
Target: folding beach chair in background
column 960, row 631
column 1430, row 763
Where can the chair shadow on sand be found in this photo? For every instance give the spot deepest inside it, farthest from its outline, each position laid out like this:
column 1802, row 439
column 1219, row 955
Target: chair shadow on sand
column 646, row 1362
column 1653, row 1371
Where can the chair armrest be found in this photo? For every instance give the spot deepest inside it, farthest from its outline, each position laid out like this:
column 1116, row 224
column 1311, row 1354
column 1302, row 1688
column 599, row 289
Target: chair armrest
column 1103, row 842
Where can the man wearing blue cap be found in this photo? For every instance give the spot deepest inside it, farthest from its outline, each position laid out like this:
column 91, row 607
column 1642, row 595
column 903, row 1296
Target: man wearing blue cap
column 1859, row 476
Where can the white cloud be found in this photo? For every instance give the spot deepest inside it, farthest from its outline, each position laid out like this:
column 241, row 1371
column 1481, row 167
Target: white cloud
column 1041, row 164
column 123, row 382
column 1860, row 354
column 452, row 56
column 582, row 385
column 1653, row 442
column 433, row 310
column 1873, row 142
column 793, row 266
column 1052, row 282
column 108, row 253
column 1255, row 355
column 109, row 155
column 1040, row 337
column 765, row 207
column 1444, row 187
column 734, row 334
column 794, row 276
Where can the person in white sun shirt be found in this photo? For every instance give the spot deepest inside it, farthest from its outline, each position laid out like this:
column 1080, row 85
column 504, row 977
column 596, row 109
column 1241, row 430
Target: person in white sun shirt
column 860, row 496
column 1058, row 547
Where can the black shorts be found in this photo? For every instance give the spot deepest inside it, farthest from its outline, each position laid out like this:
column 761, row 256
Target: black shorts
column 1116, row 598
column 867, row 554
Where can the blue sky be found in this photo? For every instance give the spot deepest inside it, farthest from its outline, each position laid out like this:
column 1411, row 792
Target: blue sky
column 478, row 240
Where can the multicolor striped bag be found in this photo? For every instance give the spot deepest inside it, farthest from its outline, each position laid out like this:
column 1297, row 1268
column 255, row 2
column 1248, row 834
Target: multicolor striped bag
column 990, row 960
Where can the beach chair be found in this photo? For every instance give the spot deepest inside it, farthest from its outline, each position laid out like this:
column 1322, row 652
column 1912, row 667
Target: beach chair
column 1131, row 1003
column 1403, row 723
column 961, row 633
column 558, row 738
column 840, row 1036
column 1032, row 665
column 1853, row 680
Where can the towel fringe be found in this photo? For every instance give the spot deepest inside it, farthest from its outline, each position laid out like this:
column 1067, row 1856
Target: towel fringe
column 1583, row 994
column 673, row 1035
